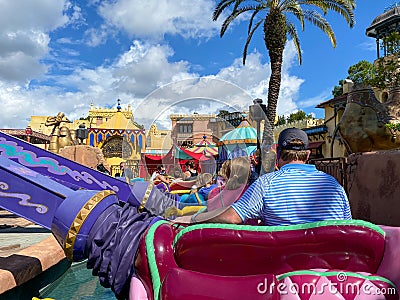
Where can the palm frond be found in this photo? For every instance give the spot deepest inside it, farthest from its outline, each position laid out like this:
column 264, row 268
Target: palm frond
column 296, row 10
column 342, row 7
column 249, row 37
column 292, row 32
column 319, row 21
column 232, row 17
column 286, row 3
column 252, row 19
column 221, row 6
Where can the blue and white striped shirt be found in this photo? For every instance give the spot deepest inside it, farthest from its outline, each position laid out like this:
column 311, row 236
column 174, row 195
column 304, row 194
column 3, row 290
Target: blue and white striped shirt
column 297, row 193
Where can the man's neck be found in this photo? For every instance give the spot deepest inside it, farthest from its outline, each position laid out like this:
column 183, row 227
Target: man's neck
column 291, row 162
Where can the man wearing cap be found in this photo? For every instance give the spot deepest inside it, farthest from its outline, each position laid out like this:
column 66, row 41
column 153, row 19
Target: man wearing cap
column 297, row 193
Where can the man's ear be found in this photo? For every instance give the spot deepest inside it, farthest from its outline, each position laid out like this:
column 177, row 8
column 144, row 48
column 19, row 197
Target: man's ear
column 308, row 154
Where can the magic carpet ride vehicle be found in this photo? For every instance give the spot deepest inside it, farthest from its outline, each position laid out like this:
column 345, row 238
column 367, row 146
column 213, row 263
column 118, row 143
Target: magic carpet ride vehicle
column 119, row 228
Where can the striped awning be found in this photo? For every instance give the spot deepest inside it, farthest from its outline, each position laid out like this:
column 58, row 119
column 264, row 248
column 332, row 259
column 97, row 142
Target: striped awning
column 205, row 147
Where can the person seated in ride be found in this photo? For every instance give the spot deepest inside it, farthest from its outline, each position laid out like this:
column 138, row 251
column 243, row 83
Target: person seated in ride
column 235, row 186
column 205, row 183
column 191, row 172
column 160, row 176
column 126, row 172
column 164, row 186
column 199, row 192
column 297, row 193
column 222, row 176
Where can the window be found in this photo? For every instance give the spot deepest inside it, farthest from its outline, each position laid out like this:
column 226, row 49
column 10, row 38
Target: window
column 187, row 128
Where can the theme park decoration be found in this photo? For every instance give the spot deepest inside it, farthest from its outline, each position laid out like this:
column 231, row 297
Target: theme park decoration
column 205, row 147
column 362, row 125
column 241, row 141
column 60, row 135
column 140, row 255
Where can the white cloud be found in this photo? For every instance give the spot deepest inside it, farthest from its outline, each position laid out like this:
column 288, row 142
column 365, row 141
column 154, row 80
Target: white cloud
column 43, row 15
column 144, row 77
column 314, row 101
column 154, row 18
column 24, row 36
column 146, row 71
column 94, row 37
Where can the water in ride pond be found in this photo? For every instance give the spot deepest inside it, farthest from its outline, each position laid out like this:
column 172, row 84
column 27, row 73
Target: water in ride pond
column 77, row 283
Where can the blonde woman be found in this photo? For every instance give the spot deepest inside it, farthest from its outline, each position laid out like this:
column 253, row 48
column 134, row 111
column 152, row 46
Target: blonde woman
column 235, row 186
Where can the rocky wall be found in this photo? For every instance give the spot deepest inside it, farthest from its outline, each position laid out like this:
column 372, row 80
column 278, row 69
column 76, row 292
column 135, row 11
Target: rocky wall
column 86, row 155
column 374, row 186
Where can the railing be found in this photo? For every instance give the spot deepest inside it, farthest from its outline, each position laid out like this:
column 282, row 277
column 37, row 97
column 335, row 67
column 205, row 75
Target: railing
column 335, row 167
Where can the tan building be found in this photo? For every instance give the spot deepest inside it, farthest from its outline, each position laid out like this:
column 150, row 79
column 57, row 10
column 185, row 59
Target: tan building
column 188, row 130
column 37, row 123
column 158, row 142
column 334, row 109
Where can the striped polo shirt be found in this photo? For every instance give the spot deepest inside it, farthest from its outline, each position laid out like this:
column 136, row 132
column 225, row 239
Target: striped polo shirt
column 297, row 193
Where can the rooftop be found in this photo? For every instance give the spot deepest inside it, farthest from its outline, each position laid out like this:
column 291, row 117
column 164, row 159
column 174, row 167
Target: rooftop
column 388, row 21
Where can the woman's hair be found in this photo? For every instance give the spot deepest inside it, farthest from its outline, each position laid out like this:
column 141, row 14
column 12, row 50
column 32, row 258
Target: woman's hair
column 239, row 173
column 225, row 169
column 189, row 163
column 293, row 155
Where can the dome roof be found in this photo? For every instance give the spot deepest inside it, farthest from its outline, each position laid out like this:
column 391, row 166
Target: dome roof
column 244, row 133
column 388, row 21
column 119, row 121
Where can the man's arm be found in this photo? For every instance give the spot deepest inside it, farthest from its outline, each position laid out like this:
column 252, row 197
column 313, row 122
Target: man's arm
column 226, row 215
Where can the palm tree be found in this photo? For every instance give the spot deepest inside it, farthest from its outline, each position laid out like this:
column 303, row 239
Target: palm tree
column 274, row 15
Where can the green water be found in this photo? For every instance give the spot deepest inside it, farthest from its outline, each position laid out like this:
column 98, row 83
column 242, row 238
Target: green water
column 77, row 283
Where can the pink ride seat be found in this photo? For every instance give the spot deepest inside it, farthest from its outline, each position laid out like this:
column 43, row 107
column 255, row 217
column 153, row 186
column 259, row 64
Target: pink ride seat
column 181, row 284
column 215, row 261
column 242, row 250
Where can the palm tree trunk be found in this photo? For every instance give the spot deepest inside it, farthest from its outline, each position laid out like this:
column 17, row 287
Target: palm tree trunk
column 268, row 156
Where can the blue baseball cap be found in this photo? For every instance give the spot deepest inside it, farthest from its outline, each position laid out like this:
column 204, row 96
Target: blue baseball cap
column 287, row 136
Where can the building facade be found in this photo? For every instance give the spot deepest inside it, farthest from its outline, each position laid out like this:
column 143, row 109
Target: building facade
column 158, row 142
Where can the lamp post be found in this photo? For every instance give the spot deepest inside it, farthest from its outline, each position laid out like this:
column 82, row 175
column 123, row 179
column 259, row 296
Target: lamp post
column 257, row 114
column 81, row 133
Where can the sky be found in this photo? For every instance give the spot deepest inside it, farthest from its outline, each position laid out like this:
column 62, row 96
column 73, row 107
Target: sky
column 160, row 57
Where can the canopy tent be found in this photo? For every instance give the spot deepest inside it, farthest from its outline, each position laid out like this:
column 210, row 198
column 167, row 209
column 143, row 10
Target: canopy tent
column 205, row 147
column 175, row 157
column 241, row 141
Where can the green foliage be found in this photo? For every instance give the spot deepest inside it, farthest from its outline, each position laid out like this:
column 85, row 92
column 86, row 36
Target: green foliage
column 361, row 72
column 338, row 89
column 298, row 116
column 386, row 73
column 272, row 16
column 281, row 121
column 222, row 113
column 392, row 43
column 293, row 117
column 395, row 127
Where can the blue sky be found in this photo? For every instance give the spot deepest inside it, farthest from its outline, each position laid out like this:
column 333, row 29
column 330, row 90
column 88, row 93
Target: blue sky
column 160, row 57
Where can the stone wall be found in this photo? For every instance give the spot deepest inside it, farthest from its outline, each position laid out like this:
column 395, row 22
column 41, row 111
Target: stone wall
column 86, row 155
column 374, row 186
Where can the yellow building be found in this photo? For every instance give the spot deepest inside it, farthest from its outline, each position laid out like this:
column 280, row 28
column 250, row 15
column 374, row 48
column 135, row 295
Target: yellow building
column 113, row 130
column 119, row 137
column 158, row 141
column 38, row 124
